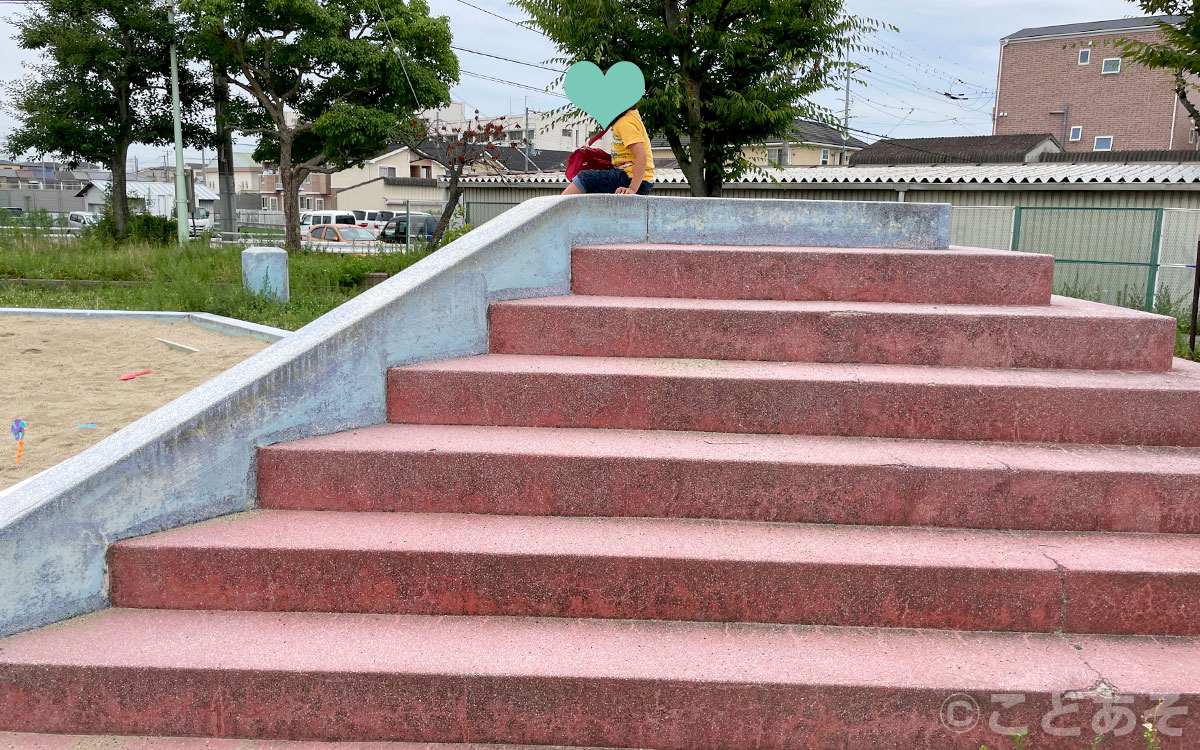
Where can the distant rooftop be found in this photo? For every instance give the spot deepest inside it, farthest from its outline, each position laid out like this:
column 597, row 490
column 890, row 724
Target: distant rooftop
column 1072, row 29
column 970, row 149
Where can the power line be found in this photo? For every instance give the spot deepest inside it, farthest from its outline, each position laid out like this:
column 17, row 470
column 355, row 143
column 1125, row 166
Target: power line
column 502, row 18
column 511, row 83
column 506, row 59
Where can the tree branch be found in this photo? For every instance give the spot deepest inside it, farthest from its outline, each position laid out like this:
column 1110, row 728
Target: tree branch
column 1181, row 92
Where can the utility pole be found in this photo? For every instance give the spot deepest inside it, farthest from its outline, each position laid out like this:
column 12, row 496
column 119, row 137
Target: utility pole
column 528, row 136
column 845, row 116
column 181, row 217
column 225, row 166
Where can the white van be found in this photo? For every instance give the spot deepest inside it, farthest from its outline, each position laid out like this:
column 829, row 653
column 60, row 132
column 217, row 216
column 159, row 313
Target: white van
column 311, row 218
column 372, row 221
column 200, row 221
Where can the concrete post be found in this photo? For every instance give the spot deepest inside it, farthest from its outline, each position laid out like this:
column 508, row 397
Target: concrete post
column 265, row 272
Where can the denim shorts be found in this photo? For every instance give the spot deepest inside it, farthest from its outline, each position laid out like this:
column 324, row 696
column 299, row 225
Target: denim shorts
column 607, row 181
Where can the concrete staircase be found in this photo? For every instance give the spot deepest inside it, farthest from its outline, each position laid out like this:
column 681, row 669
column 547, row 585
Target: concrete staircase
column 717, row 498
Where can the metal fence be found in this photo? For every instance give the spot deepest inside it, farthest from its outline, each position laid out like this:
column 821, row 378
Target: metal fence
column 481, row 212
column 1135, row 257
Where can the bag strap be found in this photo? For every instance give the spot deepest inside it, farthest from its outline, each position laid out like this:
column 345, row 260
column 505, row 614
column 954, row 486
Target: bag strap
column 598, row 136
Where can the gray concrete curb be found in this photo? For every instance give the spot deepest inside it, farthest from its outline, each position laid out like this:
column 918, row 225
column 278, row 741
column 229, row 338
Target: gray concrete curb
column 194, row 459
column 218, row 323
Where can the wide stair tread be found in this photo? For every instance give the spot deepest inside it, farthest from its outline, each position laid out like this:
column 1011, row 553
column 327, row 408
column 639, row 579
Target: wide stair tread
column 817, row 479
column 1068, row 334
column 956, row 403
column 954, row 275
column 542, row 681
column 671, row 569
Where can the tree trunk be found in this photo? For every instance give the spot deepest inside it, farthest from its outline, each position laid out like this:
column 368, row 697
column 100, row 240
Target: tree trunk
column 698, row 158
column 290, row 196
column 1181, row 92
column 120, row 196
column 714, row 180
column 455, row 192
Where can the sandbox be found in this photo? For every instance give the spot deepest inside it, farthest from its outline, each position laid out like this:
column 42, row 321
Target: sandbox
column 62, row 375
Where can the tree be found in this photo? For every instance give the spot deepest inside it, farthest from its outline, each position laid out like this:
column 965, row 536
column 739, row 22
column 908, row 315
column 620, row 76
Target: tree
column 721, row 73
column 324, row 82
column 457, row 149
column 1178, row 52
column 103, row 86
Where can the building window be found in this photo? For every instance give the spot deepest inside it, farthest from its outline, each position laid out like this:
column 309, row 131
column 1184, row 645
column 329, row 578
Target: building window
column 1192, row 135
column 777, row 156
column 824, row 156
column 387, row 171
column 1085, row 56
column 320, row 204
column 1076, row 132
column 1103, row 143
column 265, row 204
column 567, row 133
column 274, row 204
column 1111, row 65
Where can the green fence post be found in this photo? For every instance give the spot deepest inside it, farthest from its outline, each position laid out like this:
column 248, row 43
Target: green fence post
column 1016, row 229
column 1152, row 272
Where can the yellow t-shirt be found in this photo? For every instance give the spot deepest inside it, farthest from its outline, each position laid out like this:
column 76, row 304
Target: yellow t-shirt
column 626, row 130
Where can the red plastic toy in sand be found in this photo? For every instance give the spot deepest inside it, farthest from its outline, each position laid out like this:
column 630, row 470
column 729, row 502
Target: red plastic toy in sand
column 132, row 375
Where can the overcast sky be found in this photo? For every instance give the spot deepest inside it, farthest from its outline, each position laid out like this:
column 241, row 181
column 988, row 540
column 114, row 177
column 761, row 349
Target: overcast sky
column 947, row 46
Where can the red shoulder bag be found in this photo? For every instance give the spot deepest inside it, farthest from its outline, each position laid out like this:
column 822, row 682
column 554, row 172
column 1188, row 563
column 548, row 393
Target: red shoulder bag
column 588, row 158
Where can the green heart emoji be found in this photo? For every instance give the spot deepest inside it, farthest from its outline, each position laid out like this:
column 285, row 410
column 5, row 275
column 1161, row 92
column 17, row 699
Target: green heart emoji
column 604, row 96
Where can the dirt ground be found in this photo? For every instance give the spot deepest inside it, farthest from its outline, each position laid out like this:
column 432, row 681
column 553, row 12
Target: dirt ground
column 59, row 373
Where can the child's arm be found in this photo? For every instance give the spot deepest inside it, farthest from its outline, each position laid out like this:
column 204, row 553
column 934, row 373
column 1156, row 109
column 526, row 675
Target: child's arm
column 639, row 168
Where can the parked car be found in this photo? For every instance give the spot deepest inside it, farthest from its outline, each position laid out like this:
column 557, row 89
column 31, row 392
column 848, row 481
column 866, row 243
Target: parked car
column 313, row 218
column 79, row 222
column 371, row 220
column 340, row 238
column 422, row 228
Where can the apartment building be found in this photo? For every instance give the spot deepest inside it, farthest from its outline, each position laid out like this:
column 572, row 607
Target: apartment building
column 1072, row 81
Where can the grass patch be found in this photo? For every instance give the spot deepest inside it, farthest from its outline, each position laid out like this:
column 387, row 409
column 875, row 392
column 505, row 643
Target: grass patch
column 193, row 278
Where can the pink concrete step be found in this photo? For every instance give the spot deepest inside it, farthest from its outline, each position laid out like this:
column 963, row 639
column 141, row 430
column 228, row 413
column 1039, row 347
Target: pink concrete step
column 34, row 741
column 1069, row 334
column 1056, row 406
column 799, row 478
column 959, row 275
column 573, row 682
column 667, row 569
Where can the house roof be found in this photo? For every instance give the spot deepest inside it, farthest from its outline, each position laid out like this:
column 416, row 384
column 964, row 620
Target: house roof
column 1137, row 157
column 1128, row 176
column 241, row 160
column 1073, row 29
column 150, row 189
column 513, row 158
column 802, row 131
column 970, row 149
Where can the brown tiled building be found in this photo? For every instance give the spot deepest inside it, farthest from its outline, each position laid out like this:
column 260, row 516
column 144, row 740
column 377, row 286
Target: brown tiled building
column 1072, row 81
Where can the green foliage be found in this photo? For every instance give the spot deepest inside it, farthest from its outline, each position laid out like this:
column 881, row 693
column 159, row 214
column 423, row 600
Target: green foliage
column 192, row 278
column 325, row 82
column 104, row 83
column 458, row 227
column 722, row 73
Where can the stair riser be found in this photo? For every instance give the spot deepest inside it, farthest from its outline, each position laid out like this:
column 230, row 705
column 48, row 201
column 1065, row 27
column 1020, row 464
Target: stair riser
column 948, row 339
column 614, row 588
column 669, row 715
column 889, row 495
column 1067, row 414
column 810, row 275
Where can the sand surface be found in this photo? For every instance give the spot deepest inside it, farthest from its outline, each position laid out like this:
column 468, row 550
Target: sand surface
column 61, row 372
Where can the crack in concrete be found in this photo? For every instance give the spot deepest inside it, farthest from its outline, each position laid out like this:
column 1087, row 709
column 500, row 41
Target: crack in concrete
column 1062, row 589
